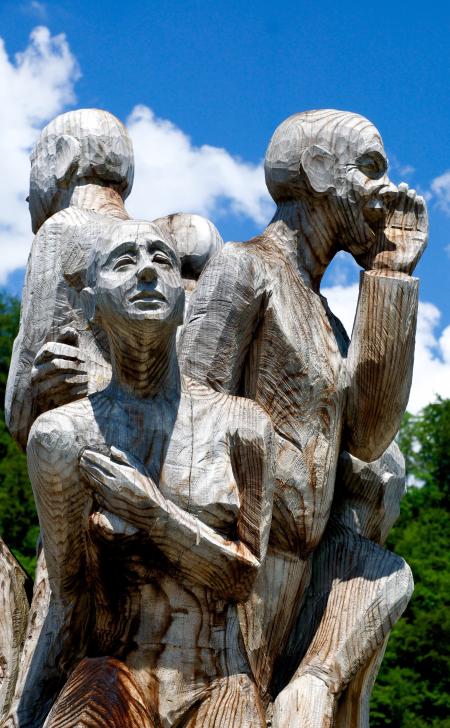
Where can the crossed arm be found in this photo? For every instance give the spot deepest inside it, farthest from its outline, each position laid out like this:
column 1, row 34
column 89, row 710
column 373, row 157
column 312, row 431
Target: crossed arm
column 199, row 553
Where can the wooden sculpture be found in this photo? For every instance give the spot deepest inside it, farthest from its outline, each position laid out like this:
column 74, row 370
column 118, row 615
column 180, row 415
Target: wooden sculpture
column 149, row 531
column 82, row 162
column 258, row 327
column 14, row 588
column 176, row 593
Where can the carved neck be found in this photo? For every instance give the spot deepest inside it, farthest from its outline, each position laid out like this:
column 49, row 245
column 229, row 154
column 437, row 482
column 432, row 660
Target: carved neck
column 307, row 234
column 105, row 200
column 144, row 365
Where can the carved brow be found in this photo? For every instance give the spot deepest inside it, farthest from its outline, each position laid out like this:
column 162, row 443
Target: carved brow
column 163, row 247
column 126, row 247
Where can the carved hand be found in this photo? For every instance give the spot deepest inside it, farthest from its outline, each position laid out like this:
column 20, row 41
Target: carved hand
column 201, row 554
column 404, row 237
column 120, row 481
column 59, row 373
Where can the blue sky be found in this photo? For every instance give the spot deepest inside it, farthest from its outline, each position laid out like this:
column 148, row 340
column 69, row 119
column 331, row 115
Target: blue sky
column 224, row 74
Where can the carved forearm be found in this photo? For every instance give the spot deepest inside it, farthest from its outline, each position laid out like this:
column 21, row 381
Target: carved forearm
column 200, row 553
column 203, row 555
column 19, row 403
column 380, row 361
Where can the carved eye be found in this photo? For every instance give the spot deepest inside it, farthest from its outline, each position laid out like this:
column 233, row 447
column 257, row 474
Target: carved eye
column 123, row 262
column 162, row 259
column 373, row 165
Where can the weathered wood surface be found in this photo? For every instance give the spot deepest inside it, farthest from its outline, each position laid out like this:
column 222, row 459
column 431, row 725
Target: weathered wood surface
column 357, row 592
column 167, row 563
column 81, row 171
column 199, row 528
column 28, row 682
column 14, row 605
column 258, row 326
column 101, row 692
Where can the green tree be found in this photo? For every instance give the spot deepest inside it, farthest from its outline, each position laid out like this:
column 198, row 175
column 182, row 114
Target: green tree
column 18, row 520
column 413, row 687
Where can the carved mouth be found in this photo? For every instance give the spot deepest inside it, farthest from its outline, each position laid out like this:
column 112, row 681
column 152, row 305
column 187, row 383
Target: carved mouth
column 147, row 297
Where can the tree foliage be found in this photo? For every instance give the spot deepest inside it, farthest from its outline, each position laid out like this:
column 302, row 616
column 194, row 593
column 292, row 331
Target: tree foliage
column 18, row 520
column 413, row 687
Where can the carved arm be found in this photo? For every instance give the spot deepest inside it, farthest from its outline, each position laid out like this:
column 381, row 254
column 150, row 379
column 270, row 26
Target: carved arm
column 380, row 361
column 220, row 322
column 381, row 353
column 199, row 552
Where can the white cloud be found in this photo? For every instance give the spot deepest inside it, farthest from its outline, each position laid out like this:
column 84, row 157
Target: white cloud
column 342, row 301
column 342, row 271
column 432, row 354
column 440, row 188
column 432, row 359
column 34, row 86
column 173, row 175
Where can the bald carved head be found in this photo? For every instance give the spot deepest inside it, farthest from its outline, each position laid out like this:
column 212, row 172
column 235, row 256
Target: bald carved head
column 337, row 160
column 78, row 147
column 315, row 147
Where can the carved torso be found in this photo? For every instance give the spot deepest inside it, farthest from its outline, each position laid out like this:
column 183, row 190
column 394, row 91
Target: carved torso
column 164, row 627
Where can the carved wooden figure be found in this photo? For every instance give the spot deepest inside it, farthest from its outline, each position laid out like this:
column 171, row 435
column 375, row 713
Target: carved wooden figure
column 257, row 326
column 154, row 498
column 81, row 164
column 176, row 598
column 82, row 161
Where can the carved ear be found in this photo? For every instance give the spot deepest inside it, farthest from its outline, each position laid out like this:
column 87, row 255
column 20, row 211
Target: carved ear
column 88, row 303
column 319, row 165
column 68, row 152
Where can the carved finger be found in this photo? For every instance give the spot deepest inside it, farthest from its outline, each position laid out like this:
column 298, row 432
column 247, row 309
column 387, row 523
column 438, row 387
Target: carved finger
column 122, row 457
column 95, row 470
column 125, row 458
column 63, row 388
column 64, row 367
column 107, row 470
column 421, row 214
column 54, row 349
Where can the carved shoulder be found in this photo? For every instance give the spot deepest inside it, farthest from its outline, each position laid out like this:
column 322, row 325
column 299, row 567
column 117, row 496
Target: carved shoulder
column 57, row 437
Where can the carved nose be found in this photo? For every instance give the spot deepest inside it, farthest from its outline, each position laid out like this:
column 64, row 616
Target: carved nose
column 147, row 272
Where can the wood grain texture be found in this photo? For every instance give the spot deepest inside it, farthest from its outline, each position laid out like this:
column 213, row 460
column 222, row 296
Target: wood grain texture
column 257, row 326
column 82, row 170
column 101, row 692
column 187, row 516
column 174, row 575
column 14, row 605
column 29, row 679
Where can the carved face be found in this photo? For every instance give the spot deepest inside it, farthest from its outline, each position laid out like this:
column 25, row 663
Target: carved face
column 138, row 277
column 362, row 188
